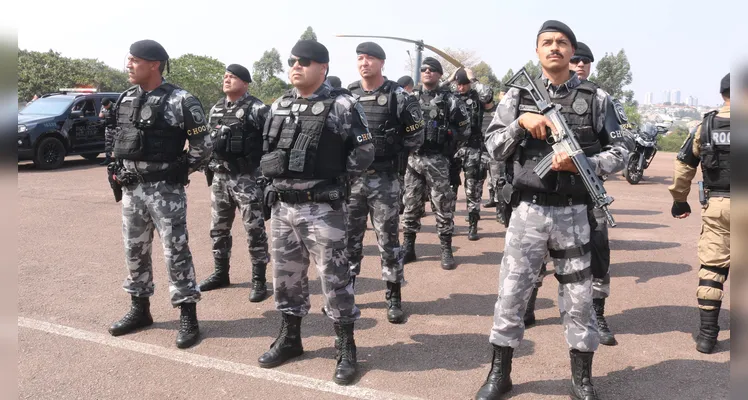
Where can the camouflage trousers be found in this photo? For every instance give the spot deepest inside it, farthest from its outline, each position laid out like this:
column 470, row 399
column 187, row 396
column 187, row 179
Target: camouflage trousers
column 227, row 194
column 428, row 174
column 316, row 231
column 474, row 178
column 496, row 176
column 374, row 195
column 533, row 230
column 161, row 206
column 108, row 140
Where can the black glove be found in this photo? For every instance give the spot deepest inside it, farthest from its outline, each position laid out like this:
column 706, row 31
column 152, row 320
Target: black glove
column 680, row 208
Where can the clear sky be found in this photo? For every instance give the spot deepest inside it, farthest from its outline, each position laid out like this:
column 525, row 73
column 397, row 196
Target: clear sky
column 670, row 44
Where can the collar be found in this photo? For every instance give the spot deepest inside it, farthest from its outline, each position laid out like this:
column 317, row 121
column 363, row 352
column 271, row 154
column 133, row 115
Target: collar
column 230, row 104
column 563, row 88
column 322, row 91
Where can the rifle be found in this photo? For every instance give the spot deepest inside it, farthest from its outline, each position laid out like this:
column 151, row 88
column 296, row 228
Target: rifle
column 563, row 141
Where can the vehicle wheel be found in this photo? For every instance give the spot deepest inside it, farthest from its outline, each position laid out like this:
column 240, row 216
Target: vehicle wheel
column 90, row 156
column 50, row 154
column 631, row 172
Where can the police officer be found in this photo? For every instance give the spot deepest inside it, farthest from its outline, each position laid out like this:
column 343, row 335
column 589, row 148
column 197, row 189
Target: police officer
column 110, row 120
column 710, row 147
column 335, row 82
column 497, row 177
column 396, row 127
column 236, row 123
column 154, row 118
column 446, row 122
column 317, row 141
column 550, row 214
column 477, row 97
column 406, row 82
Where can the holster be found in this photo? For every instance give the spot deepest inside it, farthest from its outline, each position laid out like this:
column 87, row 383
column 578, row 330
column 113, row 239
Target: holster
column 112, row 170
column 269, row 197
column 209, row 176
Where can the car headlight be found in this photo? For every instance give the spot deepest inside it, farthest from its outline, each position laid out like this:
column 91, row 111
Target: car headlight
column 22, row 128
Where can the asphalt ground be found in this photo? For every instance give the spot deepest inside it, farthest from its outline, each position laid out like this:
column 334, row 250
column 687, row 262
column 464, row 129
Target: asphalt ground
column 71, row 268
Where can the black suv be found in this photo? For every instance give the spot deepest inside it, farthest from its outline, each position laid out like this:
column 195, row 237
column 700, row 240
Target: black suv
column 61, row 124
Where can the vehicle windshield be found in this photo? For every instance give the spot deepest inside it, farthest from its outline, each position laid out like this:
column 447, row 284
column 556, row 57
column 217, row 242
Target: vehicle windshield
column 649, row 129
column 47, row 106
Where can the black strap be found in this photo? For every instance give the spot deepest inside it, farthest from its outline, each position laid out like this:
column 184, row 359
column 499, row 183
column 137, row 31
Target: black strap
column 719, row 271
column 574, row 277
column 710, row 303
column 553, row 199
column 572, row 252
column 296, row 196
column 711, row 283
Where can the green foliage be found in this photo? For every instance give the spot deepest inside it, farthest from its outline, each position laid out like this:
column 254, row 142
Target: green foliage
column 266, row 86
column 199, row 75
column 632, row 113
column 308, row 34
column 484, row 73
column 509, row 74
column 267, row 66
column 674, row 140
column 613, row 73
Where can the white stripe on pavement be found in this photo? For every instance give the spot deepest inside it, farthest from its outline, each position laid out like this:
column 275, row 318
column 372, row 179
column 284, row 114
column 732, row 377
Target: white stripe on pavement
column 201, row 361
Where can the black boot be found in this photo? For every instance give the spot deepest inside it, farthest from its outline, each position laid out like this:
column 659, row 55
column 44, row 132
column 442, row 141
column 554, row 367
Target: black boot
column 219, row 278
column 107, row 160
column 581, row 376
column 139, row 316
column 345, row 370
column 499, row 380
column 473, row 229
column 259, row 289
column 409, row 244
column 394, row 307
column 707, row 338
column 606, row 336
column 491, row 203
column 189, row 331
column 530, row 312
column 448, row 260
column 287, row 345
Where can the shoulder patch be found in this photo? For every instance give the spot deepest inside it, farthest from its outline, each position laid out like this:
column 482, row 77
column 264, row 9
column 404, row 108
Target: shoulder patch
column 195, row 108
column 620, row 113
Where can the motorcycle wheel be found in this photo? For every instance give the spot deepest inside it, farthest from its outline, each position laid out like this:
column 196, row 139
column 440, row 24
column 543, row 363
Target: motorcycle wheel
column 631, row 172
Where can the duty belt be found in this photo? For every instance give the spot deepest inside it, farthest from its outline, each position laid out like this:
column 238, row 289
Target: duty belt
column 327, row 195
column 551, row 199
column 127, row 178
column 427, row 152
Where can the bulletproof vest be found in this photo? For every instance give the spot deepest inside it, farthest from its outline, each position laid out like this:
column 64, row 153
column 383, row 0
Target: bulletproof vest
column 576, row 107
column 436, row 129
column 475, row 108
column 487, row 118
column 381, row 115
column 310, row 150
column 144, row 133
column 233, row 137
column 715, row 152
column 108, row 116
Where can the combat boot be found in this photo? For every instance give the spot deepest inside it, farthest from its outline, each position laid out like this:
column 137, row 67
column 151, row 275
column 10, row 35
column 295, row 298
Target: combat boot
column 491, row 203
column 448, row 260
column 409, row 244
column 346, row 367
column 286, row 346
column 581, row 376
column 259, row 289
column 529, row 318
column 139, row 316
column 107, row 160
column 499, row 380
column 606, row 336
column 219, row 278
column 473, row 228
column 707, row 338
column 189, row 331
column 394, row 307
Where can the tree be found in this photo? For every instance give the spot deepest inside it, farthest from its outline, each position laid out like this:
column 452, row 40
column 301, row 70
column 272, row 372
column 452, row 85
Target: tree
column 308, row 34
column 199, row 75
column 484, row 73
column 266, row 86
column 509, row 74
column 613, row 73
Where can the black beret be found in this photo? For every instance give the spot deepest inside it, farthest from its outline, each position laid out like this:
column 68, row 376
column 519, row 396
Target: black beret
column 312, row 50
column 434, row 64
column 557, row 26
column 584, row 51
column 371, row 49
column 461, row 77
column 149, row 50
column 240, row 72
column 724, row 85
column 335, row 82
column 106, row 102
column 405, row 81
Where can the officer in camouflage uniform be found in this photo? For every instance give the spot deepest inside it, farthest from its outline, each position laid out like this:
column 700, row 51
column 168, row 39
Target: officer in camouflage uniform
column 497, row 177
column 550, row 214
column 710, row 147
column 446, row 122
column 154, row 118
column 110, row 120
column 237, row 122
column 317, row 142
column 396, row 126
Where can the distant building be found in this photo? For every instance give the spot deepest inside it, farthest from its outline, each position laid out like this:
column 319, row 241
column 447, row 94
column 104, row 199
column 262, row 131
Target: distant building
column 666, row 96
column 676, row 100
column 648, row 98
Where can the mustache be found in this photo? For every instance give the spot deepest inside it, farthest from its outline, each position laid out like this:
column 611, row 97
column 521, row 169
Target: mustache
column 554, row 53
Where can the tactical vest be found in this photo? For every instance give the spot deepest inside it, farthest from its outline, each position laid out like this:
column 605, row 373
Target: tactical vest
column 144, row 133
column 436, row 128
column 475, row 108
column 233, row 137
column 715, row 152
column 576, row 107
column 381, row 111
column 301, row 141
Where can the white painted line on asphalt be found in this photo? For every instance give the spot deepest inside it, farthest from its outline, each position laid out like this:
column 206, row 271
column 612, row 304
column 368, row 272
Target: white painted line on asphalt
column 200, row 361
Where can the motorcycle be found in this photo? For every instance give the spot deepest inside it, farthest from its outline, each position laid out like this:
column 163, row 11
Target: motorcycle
column 645, row 139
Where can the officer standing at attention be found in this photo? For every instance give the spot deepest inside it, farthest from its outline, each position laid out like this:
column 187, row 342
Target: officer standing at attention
column 236, row 123
column 110, row 120
column 406, row 82
column 710, row 147
column 335, row 82
column 550, row 214
column 446, row 121
column 317, row 142
column 154, row 118
column 396, row 127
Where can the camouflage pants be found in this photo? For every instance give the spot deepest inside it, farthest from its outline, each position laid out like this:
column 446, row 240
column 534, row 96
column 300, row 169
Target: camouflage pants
column 108, row 140
column 315, row 230
column 474, row 177
column 161, row 206
column 227, row 194
column 496, row 176
column 532, row 231
column 428, row 173
column 375, row 196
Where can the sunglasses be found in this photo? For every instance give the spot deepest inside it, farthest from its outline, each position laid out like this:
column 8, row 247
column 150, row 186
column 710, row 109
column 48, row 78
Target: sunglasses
column 576, row 60
column 424, row 69
column 304, row 62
